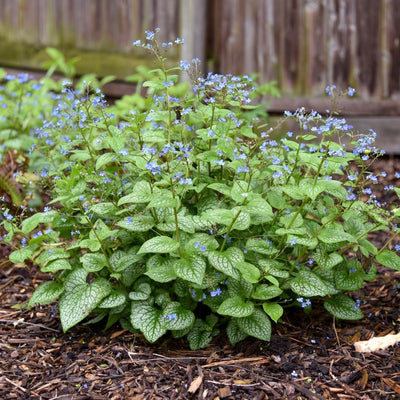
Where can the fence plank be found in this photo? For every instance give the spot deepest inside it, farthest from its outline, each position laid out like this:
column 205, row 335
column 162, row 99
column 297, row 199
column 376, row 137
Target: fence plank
column 307, row 44
column 302, row 44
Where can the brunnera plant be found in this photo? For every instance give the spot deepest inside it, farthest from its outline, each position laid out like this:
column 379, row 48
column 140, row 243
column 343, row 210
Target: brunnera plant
column 189, row 215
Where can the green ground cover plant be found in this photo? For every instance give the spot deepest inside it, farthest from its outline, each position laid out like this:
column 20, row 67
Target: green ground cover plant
column 185, row 214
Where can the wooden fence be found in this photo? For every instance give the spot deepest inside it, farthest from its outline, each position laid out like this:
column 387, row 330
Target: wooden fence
column 302, row 44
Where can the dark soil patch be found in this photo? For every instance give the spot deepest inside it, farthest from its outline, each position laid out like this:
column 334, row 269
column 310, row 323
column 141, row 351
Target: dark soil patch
column 309, row 356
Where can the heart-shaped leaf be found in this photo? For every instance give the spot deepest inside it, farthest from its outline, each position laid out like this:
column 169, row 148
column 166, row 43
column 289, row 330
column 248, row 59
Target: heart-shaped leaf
column 80, row 298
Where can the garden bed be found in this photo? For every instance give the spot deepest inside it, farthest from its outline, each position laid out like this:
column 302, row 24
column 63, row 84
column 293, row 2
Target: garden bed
column 308, row 357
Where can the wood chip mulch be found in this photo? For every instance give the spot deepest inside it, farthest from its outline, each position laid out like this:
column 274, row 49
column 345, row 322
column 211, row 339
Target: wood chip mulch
column 309, row 356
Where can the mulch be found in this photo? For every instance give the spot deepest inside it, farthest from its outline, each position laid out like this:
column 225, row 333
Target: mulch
column 309, row 356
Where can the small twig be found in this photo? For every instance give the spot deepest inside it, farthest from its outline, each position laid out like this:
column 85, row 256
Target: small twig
column 229, row 362
column 161, row 358
column 22, row 322
column 336, row 334
column 11, row 280
column 233, row 384
column 311, row 395
column 15, row 384
column 343, row 385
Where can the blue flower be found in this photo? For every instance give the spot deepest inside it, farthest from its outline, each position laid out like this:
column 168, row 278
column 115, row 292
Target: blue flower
column 330, row 89
column 276, row 161
column 350, row 91
column 198, row 246
column 185, row 65
column 352, row 177
column 243, row 169
column 154, row 167
column 216, row 292
column 170, row 317
column 304, row 302
column 357, row 304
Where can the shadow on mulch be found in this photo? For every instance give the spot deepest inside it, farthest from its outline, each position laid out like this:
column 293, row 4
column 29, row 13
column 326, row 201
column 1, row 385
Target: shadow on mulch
column 309, row 356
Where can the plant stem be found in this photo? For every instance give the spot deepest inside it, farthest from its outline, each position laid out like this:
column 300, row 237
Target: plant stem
column 229, row 230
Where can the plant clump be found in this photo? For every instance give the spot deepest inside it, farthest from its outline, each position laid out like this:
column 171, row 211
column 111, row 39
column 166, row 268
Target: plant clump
column 189, row 214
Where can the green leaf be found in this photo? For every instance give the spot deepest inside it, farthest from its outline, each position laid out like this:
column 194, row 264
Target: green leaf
column 236, row 307
column 20, row 255
column 160, row 269
column 205, row 240
column 273, row 310
column 249, row 271
column 294, row 192
column 242, row 221
column 218, row 216
column 334, row 235
column 260, row 246
column 57, row 265
column 141, row 193
column 349, row 276
column 274, row 268
column 176, row 317
column 159, row 244
column 343, row 307
column 240, row 288
column 335, row 189
column 191, row 269
column 186, row 224
column 114, row 299
column 308, row 284
column 51, row 254
column 80, row 298
column 258, row 206
column 291, row 220
column 104, row 210
column 311, row 243
column 327, row 261
column 276, row 199
column 200, row 335
column 137, row 223
column 148, row 320
column 266, row 292
column 354, row 226
column 311, row 189
column 102, row 231
column 234, row 333
column 389, row 259
column 93, row 262
column 293, row 231
column 220, row 187
column 121, row 260
column 91, row 244
column 29, row 224
column 226, row 261
column 239, row 192
column 142, row 291
column 104, row 159
column 159, row 201
column 257, row 325
column 46, row 293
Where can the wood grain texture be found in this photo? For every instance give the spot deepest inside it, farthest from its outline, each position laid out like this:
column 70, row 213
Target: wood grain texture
column 307, row 44
column 302, row 44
